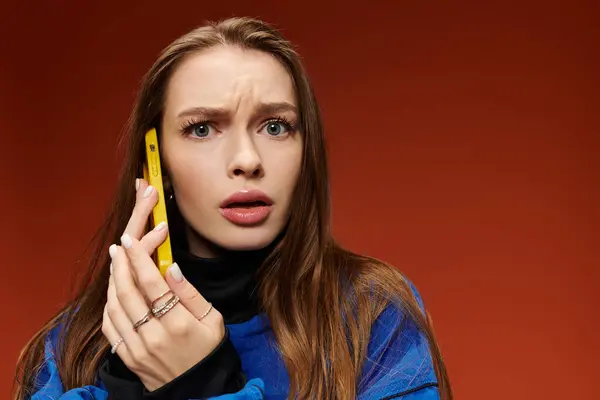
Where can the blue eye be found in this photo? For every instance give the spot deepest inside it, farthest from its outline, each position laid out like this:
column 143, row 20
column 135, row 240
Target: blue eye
column 201, row 130
column 198, row 129
column 274, row 128
column 278, row 128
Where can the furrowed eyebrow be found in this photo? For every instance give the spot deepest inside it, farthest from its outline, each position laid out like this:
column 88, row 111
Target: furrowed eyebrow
column 219, row 113
column 204, row 112
column 272, row 108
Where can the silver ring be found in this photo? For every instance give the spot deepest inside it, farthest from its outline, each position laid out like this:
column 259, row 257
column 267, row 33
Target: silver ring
column 210, row 307
column 113, row 350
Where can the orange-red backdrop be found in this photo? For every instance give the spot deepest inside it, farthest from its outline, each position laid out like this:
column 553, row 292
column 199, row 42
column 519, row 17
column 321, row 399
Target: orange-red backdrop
column 464, row 149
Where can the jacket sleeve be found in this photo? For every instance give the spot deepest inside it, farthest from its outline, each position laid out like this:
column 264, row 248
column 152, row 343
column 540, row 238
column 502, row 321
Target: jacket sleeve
column 399, row 364
column 218, row 373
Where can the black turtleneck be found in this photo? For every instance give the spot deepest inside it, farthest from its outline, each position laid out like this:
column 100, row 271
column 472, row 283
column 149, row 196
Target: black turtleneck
column 229, row 283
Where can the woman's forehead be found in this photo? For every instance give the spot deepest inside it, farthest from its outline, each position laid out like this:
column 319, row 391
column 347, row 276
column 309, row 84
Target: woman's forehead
column 230, row 78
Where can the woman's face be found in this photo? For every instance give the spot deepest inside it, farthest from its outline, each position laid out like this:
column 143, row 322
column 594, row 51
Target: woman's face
column 231, row 146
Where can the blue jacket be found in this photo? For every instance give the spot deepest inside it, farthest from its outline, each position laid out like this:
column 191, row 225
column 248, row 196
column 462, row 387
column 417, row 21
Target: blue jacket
column 398, row 365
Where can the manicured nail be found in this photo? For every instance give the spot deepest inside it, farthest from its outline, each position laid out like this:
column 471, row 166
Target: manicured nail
column 148, row 191
column 176, row 272
column 126, row 241
column 112, row 250
column 137, row 184
column 160, row 226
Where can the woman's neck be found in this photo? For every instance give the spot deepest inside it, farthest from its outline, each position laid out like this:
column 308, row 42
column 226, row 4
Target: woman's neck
column 200, row 246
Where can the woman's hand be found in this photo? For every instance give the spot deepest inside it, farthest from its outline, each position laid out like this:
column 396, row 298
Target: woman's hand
column 163, row 347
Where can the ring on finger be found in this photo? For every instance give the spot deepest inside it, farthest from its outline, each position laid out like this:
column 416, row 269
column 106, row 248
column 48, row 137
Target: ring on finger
column 142, row 320
column 153, row 304
column 166, row 307
column 115, row 346
column 210, row 307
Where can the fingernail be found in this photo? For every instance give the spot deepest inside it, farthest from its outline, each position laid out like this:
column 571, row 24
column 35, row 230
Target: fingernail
column 112, row 250
column 176, row 272
column 126, row 241
column 137, row 184
column 111, row 268
column 160, row 226
column 148, row 191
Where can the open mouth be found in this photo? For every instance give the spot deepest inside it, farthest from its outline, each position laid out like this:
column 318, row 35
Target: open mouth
column 247, row 212
column 249, row 204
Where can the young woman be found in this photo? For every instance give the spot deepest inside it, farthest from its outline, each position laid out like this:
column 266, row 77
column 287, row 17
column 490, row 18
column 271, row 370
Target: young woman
column 261, row 302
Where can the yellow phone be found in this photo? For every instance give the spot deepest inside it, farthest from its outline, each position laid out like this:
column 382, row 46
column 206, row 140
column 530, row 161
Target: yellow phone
column 153, row 175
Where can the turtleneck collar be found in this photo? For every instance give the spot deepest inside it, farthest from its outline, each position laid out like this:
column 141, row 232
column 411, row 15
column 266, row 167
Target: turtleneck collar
column 229, row 281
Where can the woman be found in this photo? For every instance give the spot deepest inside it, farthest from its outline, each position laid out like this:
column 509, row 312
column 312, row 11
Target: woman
column 261, row 302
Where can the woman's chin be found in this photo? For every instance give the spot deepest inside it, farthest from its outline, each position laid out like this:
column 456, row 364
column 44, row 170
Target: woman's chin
column 245, row 239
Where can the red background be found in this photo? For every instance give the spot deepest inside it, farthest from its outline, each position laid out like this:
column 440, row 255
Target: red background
column 464, row 143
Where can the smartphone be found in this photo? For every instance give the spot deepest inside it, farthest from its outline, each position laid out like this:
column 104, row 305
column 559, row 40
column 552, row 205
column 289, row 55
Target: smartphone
column 163, row 256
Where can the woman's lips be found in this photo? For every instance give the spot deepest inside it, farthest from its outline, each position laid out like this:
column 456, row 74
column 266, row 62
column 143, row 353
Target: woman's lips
column 246, row 215
column 246, row 207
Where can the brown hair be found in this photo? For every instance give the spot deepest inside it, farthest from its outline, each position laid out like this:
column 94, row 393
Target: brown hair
column 305, row 271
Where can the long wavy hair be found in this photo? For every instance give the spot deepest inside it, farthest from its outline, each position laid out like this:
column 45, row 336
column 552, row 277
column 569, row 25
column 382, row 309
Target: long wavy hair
column 320, row 298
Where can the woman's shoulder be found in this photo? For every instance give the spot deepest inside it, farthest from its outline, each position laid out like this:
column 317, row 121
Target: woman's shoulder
column 398, row 359
column 382, row 282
